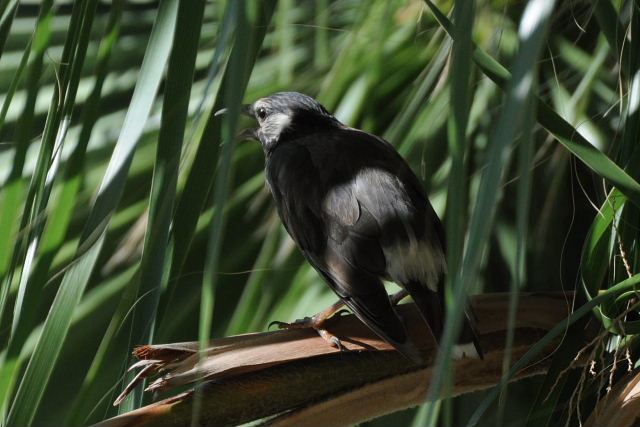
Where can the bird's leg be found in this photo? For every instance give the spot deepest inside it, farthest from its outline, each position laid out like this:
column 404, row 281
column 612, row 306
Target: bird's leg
column 397, row 297
column 317, row 322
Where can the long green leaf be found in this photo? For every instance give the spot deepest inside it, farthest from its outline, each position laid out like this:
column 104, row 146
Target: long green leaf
column 174, row 118
column 461, row 98
column 8, row 11
column 522, row 224
column 49, row 155
column 75, row 280
column 61, row 214
column 200, row 179
column 165, row 176
column 612, row 28
column 566, row 134
column 532, row 35
column 10, row 193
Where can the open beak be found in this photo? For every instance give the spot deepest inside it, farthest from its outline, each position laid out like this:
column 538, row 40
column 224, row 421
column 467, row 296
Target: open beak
column 246, row 134
column 246, row 110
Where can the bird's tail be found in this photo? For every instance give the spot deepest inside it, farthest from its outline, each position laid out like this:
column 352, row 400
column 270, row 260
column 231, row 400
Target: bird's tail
column 468, row 344
column 431, row 306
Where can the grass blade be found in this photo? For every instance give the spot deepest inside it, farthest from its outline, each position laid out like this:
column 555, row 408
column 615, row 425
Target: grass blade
column 532, row 35
column 11, row 190
column 7, row 13
column 184, row 48
column 566, row 134
column 75, row 280
column 200, row 179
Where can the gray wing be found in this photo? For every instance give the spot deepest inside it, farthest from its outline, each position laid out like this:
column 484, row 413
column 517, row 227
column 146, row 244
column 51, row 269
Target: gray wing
column 397, row 234
column 380, row 241
column 337, row 236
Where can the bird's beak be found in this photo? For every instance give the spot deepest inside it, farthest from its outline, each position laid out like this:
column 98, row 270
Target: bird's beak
column 248, row 133
column 246, row 109
column 245, row 134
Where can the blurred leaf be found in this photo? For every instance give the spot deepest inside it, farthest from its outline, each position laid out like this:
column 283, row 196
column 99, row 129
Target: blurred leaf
column 200, row 179
column 563, row 131
column 560, row 328
column 532, row 32
column 75, row 279
column 11, row 191
column 8, row 11
column 161, row 203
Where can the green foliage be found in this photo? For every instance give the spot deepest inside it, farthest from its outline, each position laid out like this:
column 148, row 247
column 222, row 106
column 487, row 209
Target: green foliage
column 130, row 214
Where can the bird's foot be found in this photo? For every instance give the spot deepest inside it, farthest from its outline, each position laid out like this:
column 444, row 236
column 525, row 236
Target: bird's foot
column 312, row 322
column 317, row 322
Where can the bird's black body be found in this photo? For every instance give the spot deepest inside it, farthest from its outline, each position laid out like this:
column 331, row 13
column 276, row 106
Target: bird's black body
column 357, row 212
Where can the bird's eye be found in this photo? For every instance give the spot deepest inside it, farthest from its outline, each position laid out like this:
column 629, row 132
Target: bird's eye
column 261, row 113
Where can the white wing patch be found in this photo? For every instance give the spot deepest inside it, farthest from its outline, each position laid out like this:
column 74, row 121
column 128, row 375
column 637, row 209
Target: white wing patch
column 414, row 260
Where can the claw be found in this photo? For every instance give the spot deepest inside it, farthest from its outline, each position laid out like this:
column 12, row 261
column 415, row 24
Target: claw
column 331, row 339
column 317, row 322
column 335, row 341
column 279, row 324
column 307, row 322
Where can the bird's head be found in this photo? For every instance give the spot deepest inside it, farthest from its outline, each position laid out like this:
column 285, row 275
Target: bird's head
column 287, row 115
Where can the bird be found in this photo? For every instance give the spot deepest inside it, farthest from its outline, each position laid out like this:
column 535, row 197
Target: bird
column 359, row 215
